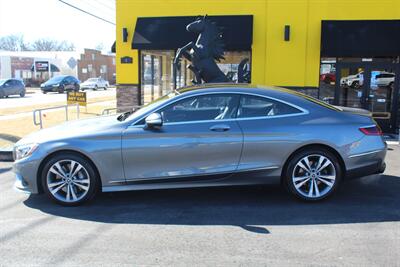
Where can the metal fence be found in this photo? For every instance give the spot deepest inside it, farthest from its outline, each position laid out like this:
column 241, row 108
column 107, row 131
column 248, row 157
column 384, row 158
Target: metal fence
column 39, row 111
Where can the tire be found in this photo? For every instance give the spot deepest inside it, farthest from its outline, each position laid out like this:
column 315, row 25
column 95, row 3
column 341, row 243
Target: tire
column 302, row 184
column 1, row 94
column 61, row 90
column 355, row 85
column 95, row 88
column 82, row 187
column 22, row 94
column 77, row 87
column 105, row 87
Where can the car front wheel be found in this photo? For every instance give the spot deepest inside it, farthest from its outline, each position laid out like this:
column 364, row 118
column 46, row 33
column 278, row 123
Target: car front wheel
column 313, row 174
column 69, row 179
column 22, row 94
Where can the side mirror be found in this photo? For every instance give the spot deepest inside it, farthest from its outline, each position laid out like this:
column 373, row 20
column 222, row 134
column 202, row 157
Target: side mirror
column 154, row 120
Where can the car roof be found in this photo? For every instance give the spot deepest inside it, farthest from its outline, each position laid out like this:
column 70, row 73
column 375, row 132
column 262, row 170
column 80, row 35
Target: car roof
column 279, row 93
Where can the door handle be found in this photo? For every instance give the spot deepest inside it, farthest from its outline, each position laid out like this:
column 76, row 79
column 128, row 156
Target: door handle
column 220, row 128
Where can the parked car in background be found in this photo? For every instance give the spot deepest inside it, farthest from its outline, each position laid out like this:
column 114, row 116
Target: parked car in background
column 95, row 83
column 328, row 78
column 12, row 87
column 384, row 79
column 60, row 84
column 204, row 136
column 354, row 81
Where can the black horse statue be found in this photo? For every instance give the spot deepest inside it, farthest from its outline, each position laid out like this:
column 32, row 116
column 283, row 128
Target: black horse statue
column 203, row 53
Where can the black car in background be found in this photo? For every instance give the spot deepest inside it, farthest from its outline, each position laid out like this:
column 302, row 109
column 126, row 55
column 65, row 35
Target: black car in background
column 11, row 87
column 60, row 84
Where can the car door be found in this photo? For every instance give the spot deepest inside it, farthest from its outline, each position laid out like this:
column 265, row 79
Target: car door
column 269, row 131
column 199, row 137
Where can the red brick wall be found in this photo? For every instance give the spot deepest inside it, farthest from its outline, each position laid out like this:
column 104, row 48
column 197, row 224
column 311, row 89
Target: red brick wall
column 86, row 59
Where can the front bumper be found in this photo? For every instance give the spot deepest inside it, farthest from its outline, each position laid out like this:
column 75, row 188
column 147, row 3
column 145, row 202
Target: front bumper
column 26, row 175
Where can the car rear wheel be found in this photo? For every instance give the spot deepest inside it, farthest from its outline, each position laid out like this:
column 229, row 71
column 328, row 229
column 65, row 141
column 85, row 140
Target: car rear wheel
column 313, row 174
column 69, row 179
column 22, row 94
column 95, row 87
column 1, row 94
column 61, row 90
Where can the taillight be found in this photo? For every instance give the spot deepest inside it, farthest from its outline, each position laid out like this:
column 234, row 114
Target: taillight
column 371, row 130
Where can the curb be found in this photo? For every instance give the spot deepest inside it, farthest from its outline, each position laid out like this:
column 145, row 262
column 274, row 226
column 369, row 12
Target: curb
column 6, row 156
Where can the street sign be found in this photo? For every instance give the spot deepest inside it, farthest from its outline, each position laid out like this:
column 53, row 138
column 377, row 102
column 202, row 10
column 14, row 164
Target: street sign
column 77, row 98
column 42, row 66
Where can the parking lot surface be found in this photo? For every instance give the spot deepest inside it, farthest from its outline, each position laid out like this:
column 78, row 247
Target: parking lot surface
column 38, row 98
column 359, row 226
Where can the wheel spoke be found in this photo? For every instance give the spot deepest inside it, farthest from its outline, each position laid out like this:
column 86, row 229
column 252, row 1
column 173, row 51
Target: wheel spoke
column 301, row 165
column 56, row 172
column 311, row 191
column 328, row 183
column 317, row 194
column 55, row 184
column 320, row 161
column 329, row 177
column 60, row 169
column 326, row 164
column 82, row 181
column 299, row 179
column 86, row 188
column 71, row 169
column 68, row 192
column 57, row 188
column 307, row 163
column 301, row 183
column 73, row 192
column 76, row 170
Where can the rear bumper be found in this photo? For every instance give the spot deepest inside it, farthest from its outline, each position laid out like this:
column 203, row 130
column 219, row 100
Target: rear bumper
column 370, row 169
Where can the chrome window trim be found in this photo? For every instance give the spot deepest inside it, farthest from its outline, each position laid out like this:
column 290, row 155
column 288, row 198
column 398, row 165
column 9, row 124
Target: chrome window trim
column 303, row 110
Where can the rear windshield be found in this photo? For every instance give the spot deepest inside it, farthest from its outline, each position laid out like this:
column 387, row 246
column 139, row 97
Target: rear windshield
column 312, row 99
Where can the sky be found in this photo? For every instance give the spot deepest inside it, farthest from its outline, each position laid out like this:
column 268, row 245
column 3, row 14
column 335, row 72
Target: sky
column 54, row 20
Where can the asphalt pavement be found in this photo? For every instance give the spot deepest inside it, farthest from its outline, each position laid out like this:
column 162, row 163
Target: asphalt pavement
column 250, row 226
column 36, row 97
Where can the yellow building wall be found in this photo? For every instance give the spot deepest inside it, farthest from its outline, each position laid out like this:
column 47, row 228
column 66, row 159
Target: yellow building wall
column 274, row 61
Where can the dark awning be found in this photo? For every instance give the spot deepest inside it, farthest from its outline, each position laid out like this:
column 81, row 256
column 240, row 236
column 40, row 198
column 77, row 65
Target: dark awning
column 53, row 68
column 169, row 33
column 113, row 49
column 360, row 38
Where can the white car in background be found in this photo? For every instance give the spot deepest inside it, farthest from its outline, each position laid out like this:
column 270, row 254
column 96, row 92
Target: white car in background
column 95, row 83
column 385, row 79
column 354, row 81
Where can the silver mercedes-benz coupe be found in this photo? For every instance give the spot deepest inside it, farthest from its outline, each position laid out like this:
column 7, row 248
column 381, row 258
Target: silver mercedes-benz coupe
column 219, row 135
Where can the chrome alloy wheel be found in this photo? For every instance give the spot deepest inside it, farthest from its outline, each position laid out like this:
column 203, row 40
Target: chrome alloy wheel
column 68, row 181
column 314, row 176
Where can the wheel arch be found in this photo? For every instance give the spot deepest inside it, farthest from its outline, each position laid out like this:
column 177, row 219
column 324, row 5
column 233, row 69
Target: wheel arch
column 54, row 153
column 315, row 145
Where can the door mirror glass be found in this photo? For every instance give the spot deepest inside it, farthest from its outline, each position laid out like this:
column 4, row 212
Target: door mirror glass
column 154, row 120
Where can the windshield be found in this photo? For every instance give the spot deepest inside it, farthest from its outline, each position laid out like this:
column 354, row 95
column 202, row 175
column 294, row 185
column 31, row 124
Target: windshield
column 92, row 80
column 56, row 79
column 146, row 108
column 2, row 81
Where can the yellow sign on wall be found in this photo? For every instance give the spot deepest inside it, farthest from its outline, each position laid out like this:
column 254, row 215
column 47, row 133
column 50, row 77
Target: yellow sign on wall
column 77, row 98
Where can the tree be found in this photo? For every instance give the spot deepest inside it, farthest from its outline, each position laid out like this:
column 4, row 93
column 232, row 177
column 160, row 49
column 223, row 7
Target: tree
column 13, row 43
column 17, row 43
column 52, row 45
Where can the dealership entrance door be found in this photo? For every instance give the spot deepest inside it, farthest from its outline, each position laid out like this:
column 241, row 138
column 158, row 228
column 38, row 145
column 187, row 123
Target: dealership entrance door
column 370, row 85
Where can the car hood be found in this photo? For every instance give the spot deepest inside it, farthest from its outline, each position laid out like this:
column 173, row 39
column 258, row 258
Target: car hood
column 72, row 129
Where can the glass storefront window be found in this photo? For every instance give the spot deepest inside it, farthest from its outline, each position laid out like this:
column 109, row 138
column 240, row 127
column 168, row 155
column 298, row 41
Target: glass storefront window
column 157, row 71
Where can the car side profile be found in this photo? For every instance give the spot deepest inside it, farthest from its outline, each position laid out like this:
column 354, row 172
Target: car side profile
column 95, row 83
column 60, row 84
column 12, row 87
column 215, row 135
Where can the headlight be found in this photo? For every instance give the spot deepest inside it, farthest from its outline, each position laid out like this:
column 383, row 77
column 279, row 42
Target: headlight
column 56, row 85
column 24, row 151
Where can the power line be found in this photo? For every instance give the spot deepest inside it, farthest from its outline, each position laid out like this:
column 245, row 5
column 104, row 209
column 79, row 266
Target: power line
column 86, row 12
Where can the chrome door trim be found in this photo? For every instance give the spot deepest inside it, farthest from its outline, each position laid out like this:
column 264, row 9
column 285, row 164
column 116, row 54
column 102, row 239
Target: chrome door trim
column 366, row 153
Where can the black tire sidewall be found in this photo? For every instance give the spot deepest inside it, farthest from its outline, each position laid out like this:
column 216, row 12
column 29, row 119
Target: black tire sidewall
column 94, row 184
column 301, row 154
